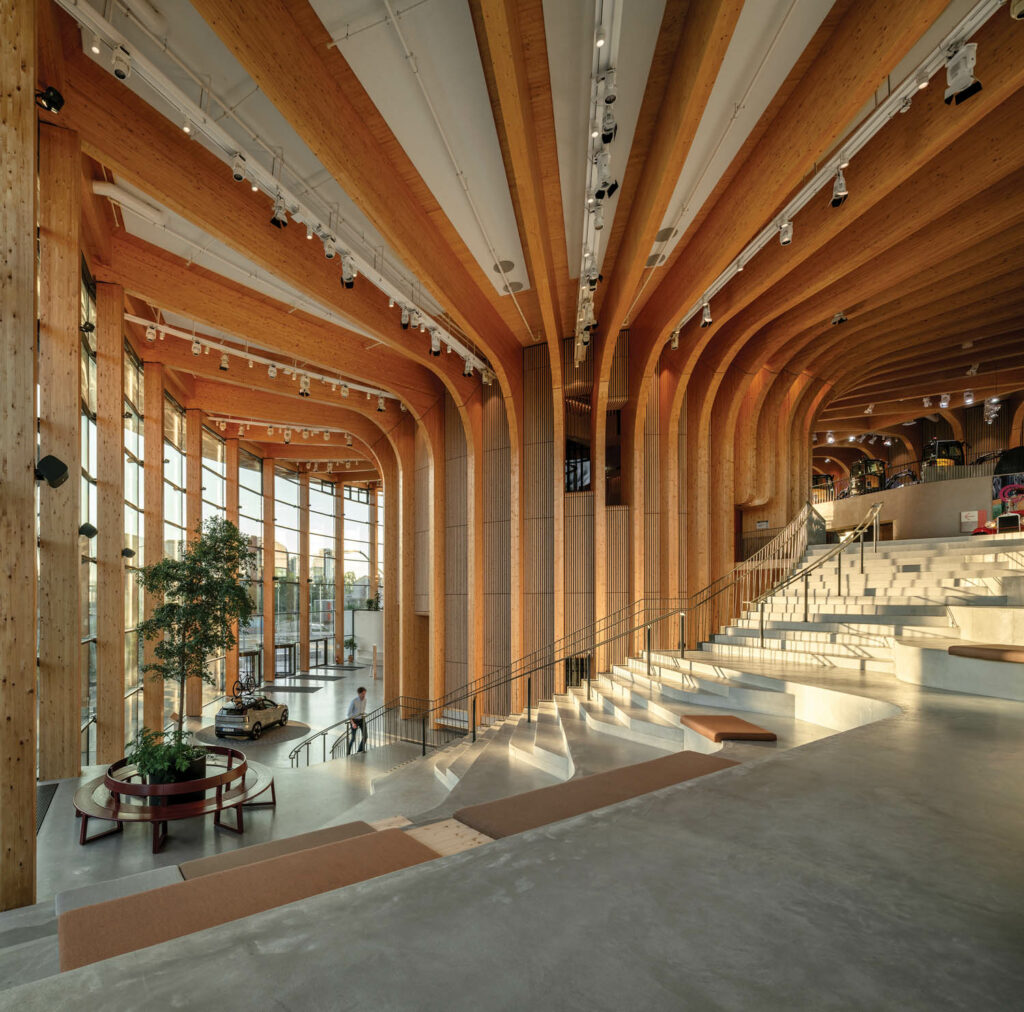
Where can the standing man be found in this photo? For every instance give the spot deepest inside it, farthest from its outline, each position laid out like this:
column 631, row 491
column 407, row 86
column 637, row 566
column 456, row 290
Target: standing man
column 357, row 720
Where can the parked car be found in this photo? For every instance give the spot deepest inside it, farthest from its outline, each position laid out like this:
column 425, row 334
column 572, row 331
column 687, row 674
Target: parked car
column 250, row 716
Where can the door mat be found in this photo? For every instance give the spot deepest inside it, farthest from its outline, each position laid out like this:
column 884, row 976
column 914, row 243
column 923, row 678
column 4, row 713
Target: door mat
column 44, row 795
column 274, row 688
column 310, row 678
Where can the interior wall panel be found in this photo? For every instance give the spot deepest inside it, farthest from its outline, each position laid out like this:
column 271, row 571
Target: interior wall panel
column 421, row 594
column 579, row 560
column 652, row 495
column 497, row 531
column 456, row 572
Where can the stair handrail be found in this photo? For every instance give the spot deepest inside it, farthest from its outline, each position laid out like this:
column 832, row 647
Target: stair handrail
column 856, row 534
column 782, row 552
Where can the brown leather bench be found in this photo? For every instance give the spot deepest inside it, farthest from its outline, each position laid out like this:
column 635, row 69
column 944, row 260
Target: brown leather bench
column 723, row 727
column 273, row 848
column 89, row 934
column 574, row 797
column 989, row 652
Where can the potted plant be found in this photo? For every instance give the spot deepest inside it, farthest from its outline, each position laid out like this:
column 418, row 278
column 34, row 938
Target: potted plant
column 350, row 646
column 167, row 759
column 202, row 597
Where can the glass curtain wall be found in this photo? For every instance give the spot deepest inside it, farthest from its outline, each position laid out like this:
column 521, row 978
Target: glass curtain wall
column 286, row 556
column 357, row 547
column 380, row 545
column 214, row 502
column 88, row 509
column 134, row 487
column 322, row 504
column 250, row 523
column 174, row 503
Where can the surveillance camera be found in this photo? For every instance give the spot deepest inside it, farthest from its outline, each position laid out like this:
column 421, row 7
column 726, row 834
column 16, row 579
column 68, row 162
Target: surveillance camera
column 238, row 169
column 122, row 64
column 786, row 233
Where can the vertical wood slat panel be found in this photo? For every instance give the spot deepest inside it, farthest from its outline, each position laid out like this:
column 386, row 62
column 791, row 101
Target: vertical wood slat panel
column 497, row 537
column 539, row 496
column 153, row 472
column 60, row 164
column 17, row 457
column 983, row 438
column 684, row 586
column 456, row 550
column 652, row 494
column 579, row 560
column 421, row 595
column 618, row 573
column 110, row 521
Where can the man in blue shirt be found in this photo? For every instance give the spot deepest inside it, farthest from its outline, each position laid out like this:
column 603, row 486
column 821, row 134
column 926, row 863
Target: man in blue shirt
column 357, row 720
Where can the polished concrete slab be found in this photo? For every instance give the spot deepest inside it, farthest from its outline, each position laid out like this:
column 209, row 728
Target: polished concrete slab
column 875, row 869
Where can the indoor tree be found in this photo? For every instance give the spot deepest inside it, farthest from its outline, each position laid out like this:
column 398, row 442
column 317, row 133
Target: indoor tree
column 202, row 597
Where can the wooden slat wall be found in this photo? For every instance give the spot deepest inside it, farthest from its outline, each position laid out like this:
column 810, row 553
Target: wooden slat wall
column 421, row 595
column 683, row 485
column 579, row 380
column 539, row 499
column 497, row 531
column 579, row 560
column 618, row 557
column 456, row 573
column 982, row 438
column 652, row 495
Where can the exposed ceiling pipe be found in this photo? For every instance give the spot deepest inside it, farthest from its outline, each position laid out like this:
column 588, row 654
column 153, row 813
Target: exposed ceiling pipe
column 154, row 215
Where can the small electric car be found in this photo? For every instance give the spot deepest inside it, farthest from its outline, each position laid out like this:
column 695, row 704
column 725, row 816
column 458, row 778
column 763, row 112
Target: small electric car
column 250, row 716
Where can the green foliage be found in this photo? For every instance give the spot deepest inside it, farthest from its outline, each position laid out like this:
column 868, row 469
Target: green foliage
column 202, row 596
column 156, row 755
column 350, row 644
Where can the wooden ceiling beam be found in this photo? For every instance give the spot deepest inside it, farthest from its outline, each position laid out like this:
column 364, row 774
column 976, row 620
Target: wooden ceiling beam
column 271, row 38
column 123, row 132
column 706, row 32
column 169, row 283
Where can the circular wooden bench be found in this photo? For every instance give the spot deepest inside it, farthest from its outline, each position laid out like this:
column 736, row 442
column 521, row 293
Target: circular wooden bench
column 120, row 796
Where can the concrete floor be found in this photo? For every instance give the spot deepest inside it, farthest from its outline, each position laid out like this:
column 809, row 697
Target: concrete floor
column 876, row 869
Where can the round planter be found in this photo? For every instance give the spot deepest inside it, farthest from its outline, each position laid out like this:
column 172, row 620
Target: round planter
column 195, row 771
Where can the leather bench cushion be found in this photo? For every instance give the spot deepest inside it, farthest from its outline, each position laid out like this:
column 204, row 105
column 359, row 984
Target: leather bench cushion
column 574, row 797
column 92, row 933
column 726, row 728
column 989, row 651
column 272, row 848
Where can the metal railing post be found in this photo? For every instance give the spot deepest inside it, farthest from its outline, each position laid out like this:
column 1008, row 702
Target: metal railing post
column 682, row 633
column 474, row 718
column 423, row 720
column 862, row 552
column 875, row 530
column 323, row 741
column 647, row 638
column 761, row 609
column 839, row 570
column 529, row 691
column 807, row 581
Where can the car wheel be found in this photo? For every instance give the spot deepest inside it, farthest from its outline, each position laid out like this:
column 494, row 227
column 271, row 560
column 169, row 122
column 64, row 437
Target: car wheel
column 257, row 730
column 284, row 718
column 220, row 734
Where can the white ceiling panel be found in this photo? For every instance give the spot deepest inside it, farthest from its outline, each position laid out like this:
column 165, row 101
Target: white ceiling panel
column 440, row 36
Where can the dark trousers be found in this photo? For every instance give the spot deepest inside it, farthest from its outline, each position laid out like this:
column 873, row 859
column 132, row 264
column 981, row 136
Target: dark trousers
column 360, row 725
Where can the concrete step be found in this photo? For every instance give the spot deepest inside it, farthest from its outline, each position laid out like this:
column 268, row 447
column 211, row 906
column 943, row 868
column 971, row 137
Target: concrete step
column 812, row 635
column 541, row 742
column 808, row 655
column 852, row 647
column 620, row 717
column 463, row 755
column 843, row 610
column 888, row 625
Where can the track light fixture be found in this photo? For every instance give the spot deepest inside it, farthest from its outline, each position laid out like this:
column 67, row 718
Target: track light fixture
column 238, row 168
column 609, row 128
column 197, row 348
column 606, row 184
column 600, row 38
column 972, row 369
column 348, row 439
column 435, row 343
column 187, row 126
column 468, row 368
column 968, row 397
column 381, row 406
column 121, row 63
column 830, row 437
column 280, row 216
column 94, row 44
column 287, row 435
column 870, row 409
column 961, row 83
column 705, row 318
column 674, row 343
column 944, row 400
column 272, row 371
column 926, row 402
column 309, row 232
column 52, row 470
column 303, row 386
column 405, row 318
column 222, row 425
column 329, row 251
column 611, row 92
column 599, row 217
column 886, row 442
column 344, row 390
column 839, row 189
column 50, row 99
column 850, row 439
column 224, row 364
column 151, row 334
column 305, row 433
column 786, row 233
column 348, row 271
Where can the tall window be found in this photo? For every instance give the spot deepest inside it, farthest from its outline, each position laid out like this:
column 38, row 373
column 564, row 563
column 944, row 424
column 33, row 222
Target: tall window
column 380, row 543
column 88, row 498
column 286, row 555
column 250, row 523
column 214, row 476
column 134, row 487
column 321, row 562
column 357, row 547
column 174, row 503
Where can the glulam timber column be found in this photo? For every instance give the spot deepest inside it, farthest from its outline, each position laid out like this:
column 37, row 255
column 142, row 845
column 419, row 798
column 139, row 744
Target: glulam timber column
column 434, row 425
column 473, row 415
column 303, row 664
column 406, row 451
column 231, row 514
column 153, row 470
column 193, row 518
column 17, row 457
column 339, row 571
column 110, row 521
column 269, row 563
column 392, row 608
column 60, row 273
